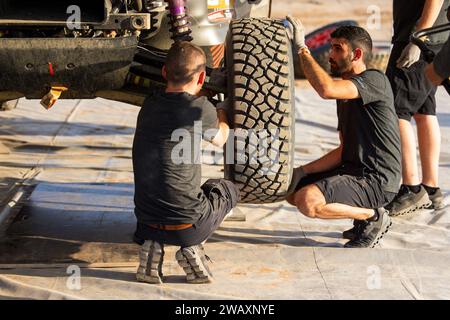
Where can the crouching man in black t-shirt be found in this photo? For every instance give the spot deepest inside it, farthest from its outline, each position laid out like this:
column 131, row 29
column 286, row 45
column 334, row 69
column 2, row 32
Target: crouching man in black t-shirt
column 363, row 174
column 171, row 205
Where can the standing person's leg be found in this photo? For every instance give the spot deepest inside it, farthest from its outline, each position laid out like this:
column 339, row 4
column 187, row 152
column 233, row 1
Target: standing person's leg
column 411, row 196
column 410, row 172
column 412, row 96
column 406, row 104
column 429, row 137
column 399, row 79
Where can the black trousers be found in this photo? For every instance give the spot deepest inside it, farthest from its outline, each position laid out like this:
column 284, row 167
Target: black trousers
column 413, row 93
column 339, row 186
column 223, row 196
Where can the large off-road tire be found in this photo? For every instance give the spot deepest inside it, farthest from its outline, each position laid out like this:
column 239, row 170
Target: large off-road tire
column 262, row 90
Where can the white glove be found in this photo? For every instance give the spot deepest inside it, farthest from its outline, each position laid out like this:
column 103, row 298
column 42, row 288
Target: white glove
column 298, row 31
column 409, row 56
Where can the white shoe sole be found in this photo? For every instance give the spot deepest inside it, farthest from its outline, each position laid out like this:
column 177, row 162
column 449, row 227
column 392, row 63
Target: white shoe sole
column 150, row 263
column 193, row 266
column 384, row 229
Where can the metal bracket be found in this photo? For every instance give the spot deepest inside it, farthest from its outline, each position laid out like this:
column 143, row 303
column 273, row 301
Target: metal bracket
column 133, row 21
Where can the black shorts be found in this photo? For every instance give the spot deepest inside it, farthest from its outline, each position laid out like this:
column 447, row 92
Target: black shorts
column 413, row 93
column 223, row 196
column 355, row 191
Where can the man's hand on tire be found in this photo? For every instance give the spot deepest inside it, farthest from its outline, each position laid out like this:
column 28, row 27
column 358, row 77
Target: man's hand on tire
column 224, row 105
column 409, row 56
column 218, row 77
column 299, row 32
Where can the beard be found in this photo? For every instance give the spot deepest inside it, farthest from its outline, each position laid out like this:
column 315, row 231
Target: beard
column 340, row 67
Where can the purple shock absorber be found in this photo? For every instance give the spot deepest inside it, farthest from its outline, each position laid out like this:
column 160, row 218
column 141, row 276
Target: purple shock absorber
column 176, row 7
column 181, row 28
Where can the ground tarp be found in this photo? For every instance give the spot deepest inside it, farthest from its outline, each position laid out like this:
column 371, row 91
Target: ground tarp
column 80, row 215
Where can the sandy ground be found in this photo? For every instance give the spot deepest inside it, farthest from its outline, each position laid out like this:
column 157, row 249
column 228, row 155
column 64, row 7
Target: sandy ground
column 81, row 215
column 374, row 15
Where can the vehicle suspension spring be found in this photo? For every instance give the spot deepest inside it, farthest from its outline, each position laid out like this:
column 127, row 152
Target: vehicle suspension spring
column 179, row 20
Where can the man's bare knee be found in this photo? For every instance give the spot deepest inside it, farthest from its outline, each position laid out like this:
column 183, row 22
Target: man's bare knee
column 291, row 198
column 309, row 200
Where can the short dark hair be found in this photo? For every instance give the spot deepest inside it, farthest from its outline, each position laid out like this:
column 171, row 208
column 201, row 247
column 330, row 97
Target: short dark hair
column 357, row 37
column 183, row 61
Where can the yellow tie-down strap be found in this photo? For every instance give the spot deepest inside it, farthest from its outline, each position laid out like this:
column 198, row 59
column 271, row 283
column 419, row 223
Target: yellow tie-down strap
column 52, row 96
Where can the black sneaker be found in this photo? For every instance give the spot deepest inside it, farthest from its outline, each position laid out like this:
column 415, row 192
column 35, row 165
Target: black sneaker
column 194, row 262
column 371, row 232
column 407, row 202
column 437, row 200
column 352, row 233
column 151, row 258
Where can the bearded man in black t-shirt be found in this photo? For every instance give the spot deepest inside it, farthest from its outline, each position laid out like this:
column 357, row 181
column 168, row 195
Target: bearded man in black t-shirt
column 171, row 205
column 355, row 180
